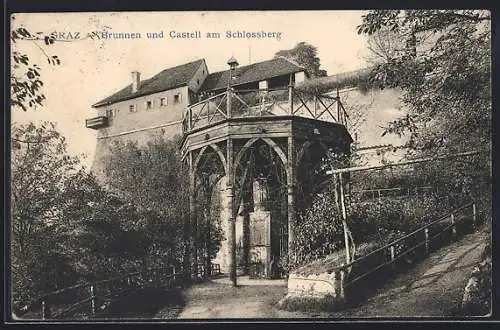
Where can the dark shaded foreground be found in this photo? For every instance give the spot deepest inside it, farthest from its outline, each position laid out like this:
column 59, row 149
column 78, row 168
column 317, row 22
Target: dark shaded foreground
column 148, row 303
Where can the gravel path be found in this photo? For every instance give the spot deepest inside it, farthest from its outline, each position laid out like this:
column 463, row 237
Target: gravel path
column 433, row 288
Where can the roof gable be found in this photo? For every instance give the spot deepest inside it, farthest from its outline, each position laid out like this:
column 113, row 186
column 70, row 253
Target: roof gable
column 167, row 79
column 250, row 73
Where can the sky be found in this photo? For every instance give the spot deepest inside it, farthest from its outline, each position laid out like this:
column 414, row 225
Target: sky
column 92, row 69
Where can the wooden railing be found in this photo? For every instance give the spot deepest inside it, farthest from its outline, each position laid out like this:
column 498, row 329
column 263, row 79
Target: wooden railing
column 263, row 103
column 345, row 276
column 399, row 248
column 89, row 299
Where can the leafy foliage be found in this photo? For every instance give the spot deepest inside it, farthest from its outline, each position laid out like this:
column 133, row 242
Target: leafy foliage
column 65, row 227
column 444, row 71
column 102, row 234
column 39, row 169
column 305, row 55
column 318, row 230
column 25, row 79
column 160, row 192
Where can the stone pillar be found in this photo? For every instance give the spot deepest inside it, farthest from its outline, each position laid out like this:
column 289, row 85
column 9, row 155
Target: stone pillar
column 290, row 176
column 231, row 241
column 246, row 241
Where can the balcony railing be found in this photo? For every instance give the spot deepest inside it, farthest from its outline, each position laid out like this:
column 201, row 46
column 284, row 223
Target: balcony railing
column 263, row 103
column 96, row 122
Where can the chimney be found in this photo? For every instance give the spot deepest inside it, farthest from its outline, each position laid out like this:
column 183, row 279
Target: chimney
column 136, row 81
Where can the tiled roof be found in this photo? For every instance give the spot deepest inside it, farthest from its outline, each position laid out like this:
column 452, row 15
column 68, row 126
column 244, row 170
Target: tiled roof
column 250, row 73
column 165, row 80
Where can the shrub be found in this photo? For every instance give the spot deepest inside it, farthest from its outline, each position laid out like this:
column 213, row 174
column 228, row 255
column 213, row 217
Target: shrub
column 318, row 231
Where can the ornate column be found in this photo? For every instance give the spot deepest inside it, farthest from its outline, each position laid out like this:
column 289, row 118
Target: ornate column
column 231, row 241
column 191, row 250
column 290, row 177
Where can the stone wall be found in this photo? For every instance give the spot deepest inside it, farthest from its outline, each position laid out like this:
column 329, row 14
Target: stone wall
column 373, row 108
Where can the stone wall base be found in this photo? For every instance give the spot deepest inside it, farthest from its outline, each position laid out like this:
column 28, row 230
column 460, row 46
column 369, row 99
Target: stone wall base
column 327, row 303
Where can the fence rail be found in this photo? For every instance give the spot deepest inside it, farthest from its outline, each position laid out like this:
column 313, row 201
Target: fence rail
column 421, row 237
column 87, row 298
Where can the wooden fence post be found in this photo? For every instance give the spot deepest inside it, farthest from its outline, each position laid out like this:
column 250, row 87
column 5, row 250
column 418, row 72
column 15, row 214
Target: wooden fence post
column 337, row 105
column 228, row 102
column 474, row 215
column 43, row 310
column 190, row 118
column 453, row 228
column 426, row 231
column 393, row 252
column 92, row 300
column 334, row 283
column 342, row 280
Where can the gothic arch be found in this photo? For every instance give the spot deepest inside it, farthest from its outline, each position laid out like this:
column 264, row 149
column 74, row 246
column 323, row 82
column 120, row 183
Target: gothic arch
column 217, row 150
column 269, row 141
column 305, row 146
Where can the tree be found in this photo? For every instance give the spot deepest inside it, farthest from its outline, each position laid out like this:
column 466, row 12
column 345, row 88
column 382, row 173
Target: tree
column 159, row 181
column 102, row 234
column 39, row 166
column 445, row 79
column 446, row 84
column 65, row 227
column 305, row 55
column 384, row 45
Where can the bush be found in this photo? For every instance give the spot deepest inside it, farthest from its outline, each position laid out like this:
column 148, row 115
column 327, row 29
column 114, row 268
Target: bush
column 380, row 218
column 317, row 232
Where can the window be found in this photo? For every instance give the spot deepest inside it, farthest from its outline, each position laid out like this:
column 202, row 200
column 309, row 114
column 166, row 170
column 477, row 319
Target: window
column 163, row 101
column 132, row 108
column 177, row 98
column 110, row 114
column 149, row 105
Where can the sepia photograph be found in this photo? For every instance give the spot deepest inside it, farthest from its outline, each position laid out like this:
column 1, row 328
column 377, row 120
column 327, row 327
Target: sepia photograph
column 174, row 166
